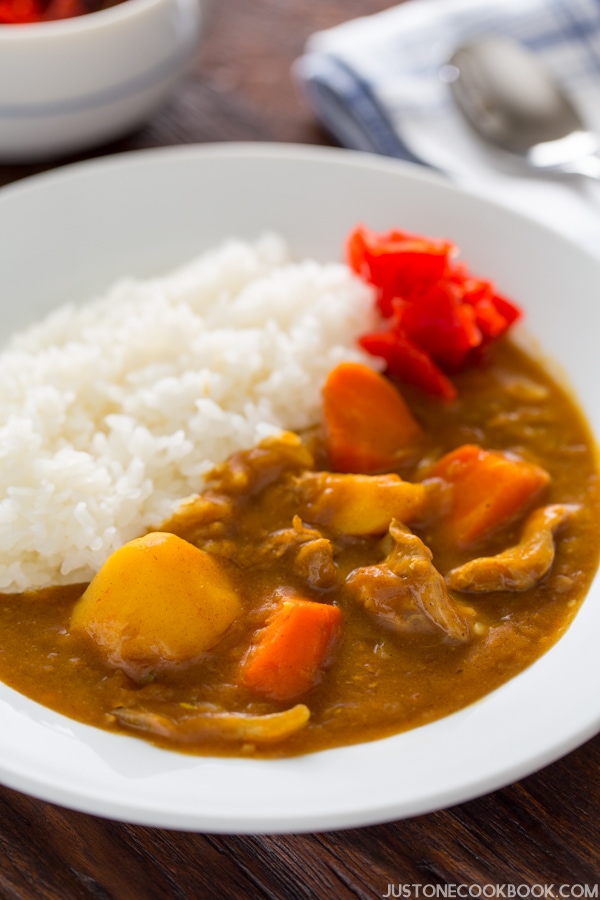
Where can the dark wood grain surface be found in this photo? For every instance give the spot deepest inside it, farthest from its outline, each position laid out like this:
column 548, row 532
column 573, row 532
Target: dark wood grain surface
column 543, row 831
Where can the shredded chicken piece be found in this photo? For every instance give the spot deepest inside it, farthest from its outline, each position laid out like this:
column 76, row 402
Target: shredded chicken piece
column 280, row 542
column 199, row 724
column 524, row 389
column 314, row 563
column 520, row 567
column 313, row 553
column 407, row 593
column 252, row 470
column 200, row 516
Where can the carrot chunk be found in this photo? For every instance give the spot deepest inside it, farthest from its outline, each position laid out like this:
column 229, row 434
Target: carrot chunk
column 490, row 488
column 293, row 649
column 366, row 421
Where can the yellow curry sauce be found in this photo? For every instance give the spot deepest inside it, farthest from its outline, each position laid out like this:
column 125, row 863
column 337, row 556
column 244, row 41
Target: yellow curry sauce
column 379, row 681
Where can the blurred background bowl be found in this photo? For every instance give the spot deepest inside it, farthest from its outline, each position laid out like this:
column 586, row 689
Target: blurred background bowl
column 71, row 84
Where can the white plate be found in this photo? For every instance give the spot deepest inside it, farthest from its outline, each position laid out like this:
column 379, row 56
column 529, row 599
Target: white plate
column 69, row 234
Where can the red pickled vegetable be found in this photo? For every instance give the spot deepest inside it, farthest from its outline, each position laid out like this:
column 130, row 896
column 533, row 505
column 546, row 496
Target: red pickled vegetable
column 397, row 262
column 441, row 318
column 407, row 362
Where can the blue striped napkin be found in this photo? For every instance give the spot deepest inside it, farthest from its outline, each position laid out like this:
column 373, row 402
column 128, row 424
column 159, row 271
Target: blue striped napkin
column 375, row 85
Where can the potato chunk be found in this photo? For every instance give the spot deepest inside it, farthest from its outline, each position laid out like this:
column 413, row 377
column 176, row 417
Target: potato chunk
column 362, row 504
column 156, row 601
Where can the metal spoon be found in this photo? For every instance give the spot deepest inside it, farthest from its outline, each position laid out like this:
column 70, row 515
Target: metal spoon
column 511, row 100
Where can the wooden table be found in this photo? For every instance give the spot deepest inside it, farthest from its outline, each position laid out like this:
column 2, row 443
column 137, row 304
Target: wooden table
column 542, row 831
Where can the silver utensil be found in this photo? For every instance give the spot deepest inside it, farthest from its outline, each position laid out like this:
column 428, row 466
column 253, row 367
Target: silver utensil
column 513, row 102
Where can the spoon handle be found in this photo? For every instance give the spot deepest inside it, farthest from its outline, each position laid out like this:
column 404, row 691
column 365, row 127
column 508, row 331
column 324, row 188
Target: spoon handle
column 589, row 166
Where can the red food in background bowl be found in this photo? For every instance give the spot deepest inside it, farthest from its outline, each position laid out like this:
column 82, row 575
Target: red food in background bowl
column 21, row 12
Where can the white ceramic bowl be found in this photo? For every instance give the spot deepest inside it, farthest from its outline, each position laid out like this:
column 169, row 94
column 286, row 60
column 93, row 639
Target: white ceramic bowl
column 71, row 84
column 65, row 236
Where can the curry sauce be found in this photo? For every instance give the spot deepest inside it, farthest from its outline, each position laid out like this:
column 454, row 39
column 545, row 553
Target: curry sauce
column 377, row 679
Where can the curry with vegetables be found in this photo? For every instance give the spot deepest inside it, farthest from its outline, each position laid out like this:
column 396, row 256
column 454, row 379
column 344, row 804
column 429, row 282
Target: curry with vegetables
column 291, row 608
column 428, row 541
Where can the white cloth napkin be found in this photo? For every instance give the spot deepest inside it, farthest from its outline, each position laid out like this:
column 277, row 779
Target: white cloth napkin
column 375, row 84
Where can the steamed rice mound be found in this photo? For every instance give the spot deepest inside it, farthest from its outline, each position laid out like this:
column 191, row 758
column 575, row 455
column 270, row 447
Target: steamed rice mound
column 114, row 412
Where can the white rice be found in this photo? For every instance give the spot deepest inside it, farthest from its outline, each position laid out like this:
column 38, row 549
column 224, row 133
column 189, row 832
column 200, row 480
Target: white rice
column 113, row 412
